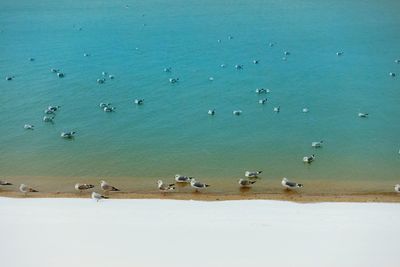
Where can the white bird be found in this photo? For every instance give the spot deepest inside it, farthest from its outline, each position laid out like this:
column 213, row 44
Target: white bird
column 261, row 91
column 67, row 135
column 286, row 53
column 238, row 67
column 237, row 112
column 246, row 182
column 53, row 108
column 290, row 185
column 397, row 188
column 9, row 78
column 104, row 73
column 173, row 80
column 392, row 74
column 165, row 187
column 308, row 159
column 263, row 101
column 252, row 174
column 317, row 144
column 108, row 109
column 182, row 178
column 305, row 110
column 81, row 187
column 106, row 187
column 363, row 115
column 100, row 81
column 97, row 196
column 103, row 105
column 255, row 61
column 339, row 53
column 222, row 65
column 198, row 185
column 48, row 119
column 4, row 183
column 397, row 61
column 139, row 101
column 167, row 69
column 49, row 111
column 111, row 77
column 277, row 109
column 29, row 126
column 26, row 189
column 211, row 78
column 60, row 74
column 211, row 112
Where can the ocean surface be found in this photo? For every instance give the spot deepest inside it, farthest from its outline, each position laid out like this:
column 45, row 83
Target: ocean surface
column 171, row 132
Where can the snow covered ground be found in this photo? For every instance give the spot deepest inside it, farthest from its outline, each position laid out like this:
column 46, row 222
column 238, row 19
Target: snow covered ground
column 146, row 233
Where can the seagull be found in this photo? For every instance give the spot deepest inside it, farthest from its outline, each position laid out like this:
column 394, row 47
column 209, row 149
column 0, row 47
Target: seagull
column 3, row 183
column 211, row 78
column 29, row 126
column 255, row 61
column 262, row 101
column 211, row 112
column 54, row 70
column 9, row 78
column 60, row 74
column 252, row 174
column 80, row 187
column 392, row 74
column 339, row 53
column 238, row 66
column 237, row 112
column 277, row 109
column 86, row 54
column 245, row 182
column 317, row 144
column 49, row 111
column 100, row 81
column 305, row 110
column 97, row 196
column 164, row 187
column 139, row 101
column 108, row 109
column 397, row 61
column 53, row 108
column 67, row 135
column 397, row 188
column 197, row 185
column 173, row 80
column 222, row 65
column 103, row 105
column 25, row 189
column 167, row 69
column 182, row 179
column 104, row 73
column 48, row 119
column 106, row 187
column 286, row 53
column 310, row 159
column 31, row 59
column 261, row 91
column 363, row 115
column 290, row 185
column 111, row 77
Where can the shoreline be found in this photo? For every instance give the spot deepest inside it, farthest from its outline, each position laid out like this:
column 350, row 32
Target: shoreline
column 289, row 196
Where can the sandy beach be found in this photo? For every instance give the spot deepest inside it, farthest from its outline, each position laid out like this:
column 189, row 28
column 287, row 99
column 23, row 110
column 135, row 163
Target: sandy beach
column 82, row 232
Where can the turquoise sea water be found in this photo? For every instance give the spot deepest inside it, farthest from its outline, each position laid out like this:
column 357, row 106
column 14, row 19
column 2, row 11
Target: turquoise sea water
column 172, row 133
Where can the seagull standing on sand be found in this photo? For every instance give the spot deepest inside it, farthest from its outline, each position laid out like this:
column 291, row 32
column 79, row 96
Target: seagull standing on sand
column 4, row 183
column 308, row 159
column 252, row 174
column 182, row 179
column 197, row 185
column 397, row 188
column 106, row 187
column 245, row 182
column 97, row 196
column 80, row 187
column 165, row 187
column 25, row 189
column 290, row 185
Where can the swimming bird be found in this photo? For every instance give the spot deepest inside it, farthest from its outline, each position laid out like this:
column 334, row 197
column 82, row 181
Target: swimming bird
column 252, row 174
column 230, row 37
column 317, row 144
column 29, row 126
column 255, row 61
column 26, row 189
column 277, row 109
column 31, row 59
column 339, row 53
column 271, row 44
column 397, row 61
column 167, row 69
column 173, row 80
column 308, row 159
column 4, row 183
column 86, row 54
column 286, row 53
column 392, row 74
column 397, row 188
column 104, row 73
column 101, row 81
column 48, row 119
column 198, row 185
column 246, row 182
column 81, row 187
column 97, row 196
column 53, row 108
column 211, row 112
column 211, row 79
column 222, row 65
column 164, row 187
column 305, row 110
column 106, row 187
column 238, row 66
column 261, row 91
column 108, row 109
column 9, row 78
column 139, row 101
column 60, row 74
column 111, row 77
column 48, row 111
column 290, row 185
column 182, row 178
column 262, row 101
column 237, row 112
column 54, row 70
column 68, row 135
column 103, row 105
column 363, row 115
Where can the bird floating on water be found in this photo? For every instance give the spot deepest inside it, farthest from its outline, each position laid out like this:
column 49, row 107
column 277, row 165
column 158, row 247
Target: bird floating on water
column 363, row 115
column 198, row 185
column 167, row 69
column 304, row 110
column 286, row 53
column 252, row 174
column 26, row 189
column 397, row 61
column 309, row 159
column 392, row 74
column 317, row 144
column 237, row 112
column 101, row 81
column 9, row 78
column 256, row 61
column 173, row 80
column 139, row 101
column 211, row 112
column 48, row 119
column 68, row 135
column 290, row 185
column 182, row 178
column 60, row 74
column 339, row 53
column 81, row 187
column 246, row 182
column 29, row 127
column 262, row 101
column 107, row 187
column 277, row 109
column 262, row 91
column 238, row 66
column 97, row 196
column 109, row 109
column 165, row 187
column 103, row 105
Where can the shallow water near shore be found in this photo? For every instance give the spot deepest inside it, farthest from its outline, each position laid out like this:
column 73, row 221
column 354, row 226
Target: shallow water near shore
column 172, row 133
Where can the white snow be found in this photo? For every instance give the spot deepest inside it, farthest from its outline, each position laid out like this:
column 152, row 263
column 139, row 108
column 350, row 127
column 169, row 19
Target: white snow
column 147, row 233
